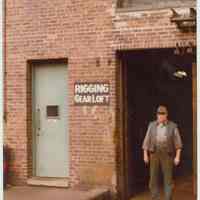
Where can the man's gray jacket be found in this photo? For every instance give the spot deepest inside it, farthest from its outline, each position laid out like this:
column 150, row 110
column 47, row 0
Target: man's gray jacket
column 173, row 137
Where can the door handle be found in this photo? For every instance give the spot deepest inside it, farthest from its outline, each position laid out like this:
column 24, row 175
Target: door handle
column 38, row 121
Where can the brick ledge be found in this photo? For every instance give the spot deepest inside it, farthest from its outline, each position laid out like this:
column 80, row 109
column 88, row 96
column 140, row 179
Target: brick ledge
column 50, row 182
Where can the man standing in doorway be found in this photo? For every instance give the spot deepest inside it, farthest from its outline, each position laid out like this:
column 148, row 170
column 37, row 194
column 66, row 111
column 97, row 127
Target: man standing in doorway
column 162, row 147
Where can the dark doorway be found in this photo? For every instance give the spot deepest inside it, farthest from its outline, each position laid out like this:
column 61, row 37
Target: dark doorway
column 153, row 77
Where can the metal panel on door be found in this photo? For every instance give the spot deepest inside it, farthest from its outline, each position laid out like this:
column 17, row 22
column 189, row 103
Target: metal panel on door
column 51, row 120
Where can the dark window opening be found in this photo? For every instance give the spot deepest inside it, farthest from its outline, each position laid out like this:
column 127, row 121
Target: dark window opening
column 149, row 4
column 52, row 111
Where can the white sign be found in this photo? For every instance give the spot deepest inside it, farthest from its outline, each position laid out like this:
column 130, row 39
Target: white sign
column 92, row 93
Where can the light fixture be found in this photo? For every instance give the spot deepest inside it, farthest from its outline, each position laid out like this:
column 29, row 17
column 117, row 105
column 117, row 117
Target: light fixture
column 180, row 74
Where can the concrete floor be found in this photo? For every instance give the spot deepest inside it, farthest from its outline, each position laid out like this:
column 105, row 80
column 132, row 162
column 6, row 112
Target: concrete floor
column 183, row 191
column 50, row 193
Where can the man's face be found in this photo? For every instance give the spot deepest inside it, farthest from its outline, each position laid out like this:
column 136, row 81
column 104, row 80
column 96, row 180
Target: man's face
column 162, row 117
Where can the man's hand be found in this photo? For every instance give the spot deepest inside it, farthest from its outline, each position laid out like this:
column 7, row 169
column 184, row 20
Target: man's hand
column 146, row 157
column 176, row 160
column 177, row 157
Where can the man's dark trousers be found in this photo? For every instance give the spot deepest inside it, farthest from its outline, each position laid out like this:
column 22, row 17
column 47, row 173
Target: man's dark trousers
column 165, row 160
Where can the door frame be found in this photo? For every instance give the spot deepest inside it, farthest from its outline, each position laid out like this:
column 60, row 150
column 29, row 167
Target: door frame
column 122, row 173
column 194, row 121
column 31, row 72
column 33, row 120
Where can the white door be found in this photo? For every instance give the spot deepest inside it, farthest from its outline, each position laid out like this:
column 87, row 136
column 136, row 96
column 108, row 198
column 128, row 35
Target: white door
column 51, row 120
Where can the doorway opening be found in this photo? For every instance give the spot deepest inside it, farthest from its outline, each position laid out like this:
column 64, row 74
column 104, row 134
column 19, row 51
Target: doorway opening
column 150, row 78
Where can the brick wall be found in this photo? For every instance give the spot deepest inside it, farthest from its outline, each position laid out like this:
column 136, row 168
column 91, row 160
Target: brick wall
column 79, row 31
column 148, row 29
column 83, row 32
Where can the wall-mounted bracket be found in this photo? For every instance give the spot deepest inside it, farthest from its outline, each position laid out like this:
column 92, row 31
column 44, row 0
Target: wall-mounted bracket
column 185, row 22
